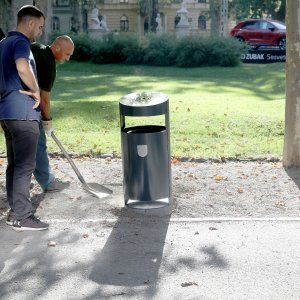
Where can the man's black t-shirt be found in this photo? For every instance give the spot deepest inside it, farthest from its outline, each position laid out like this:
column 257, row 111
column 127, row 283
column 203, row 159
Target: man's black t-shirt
column 45, row 66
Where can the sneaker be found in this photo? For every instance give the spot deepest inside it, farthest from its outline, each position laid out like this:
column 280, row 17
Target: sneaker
column 56, row 186
column 30, row 223
column 11, row 218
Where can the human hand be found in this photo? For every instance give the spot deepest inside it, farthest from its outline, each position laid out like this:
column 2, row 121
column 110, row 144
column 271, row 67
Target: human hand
column 35, row 95
column 47, row 125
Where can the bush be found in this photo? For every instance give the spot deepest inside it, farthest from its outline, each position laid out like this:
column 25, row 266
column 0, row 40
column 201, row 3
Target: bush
column 159, row 51
column 225, row 52
column 109, row 50
column 133, row 50
column 191, row 52
column 83, row 47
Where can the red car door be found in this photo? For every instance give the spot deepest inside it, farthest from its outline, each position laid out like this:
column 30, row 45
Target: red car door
column 267, row 33
column 249, row 30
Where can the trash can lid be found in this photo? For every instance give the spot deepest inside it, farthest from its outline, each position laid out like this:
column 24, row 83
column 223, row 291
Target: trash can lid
column 143, row 99
column 144, row 104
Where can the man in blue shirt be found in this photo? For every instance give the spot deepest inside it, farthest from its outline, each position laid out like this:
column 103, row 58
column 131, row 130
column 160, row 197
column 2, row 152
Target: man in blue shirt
column 20, row 115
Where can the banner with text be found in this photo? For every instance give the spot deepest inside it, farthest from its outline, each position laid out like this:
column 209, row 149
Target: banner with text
column 263, row 56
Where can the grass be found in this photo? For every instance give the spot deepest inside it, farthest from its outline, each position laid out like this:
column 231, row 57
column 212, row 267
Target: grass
column 214, row 111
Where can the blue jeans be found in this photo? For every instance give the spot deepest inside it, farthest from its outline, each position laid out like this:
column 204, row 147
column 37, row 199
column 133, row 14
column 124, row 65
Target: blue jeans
column 42, row 173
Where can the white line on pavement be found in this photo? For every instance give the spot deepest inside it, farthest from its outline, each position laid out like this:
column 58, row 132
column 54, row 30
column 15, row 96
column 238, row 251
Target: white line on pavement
column 177, row 220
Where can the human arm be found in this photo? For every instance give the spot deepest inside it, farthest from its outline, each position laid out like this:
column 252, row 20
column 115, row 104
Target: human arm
column 27, row 76
column 45, row 105
column 45, row 110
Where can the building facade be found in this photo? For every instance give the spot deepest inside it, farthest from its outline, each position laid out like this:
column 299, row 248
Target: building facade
column 120, row 16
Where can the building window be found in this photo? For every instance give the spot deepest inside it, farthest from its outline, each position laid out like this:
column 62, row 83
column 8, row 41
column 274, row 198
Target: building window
column 201, row 1
column 202, row 22
column 124, row 25
column 55, row 24
column 124, row 1
column 62, row 2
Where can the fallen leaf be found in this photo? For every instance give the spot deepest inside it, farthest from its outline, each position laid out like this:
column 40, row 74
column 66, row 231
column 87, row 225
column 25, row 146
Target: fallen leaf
column 218, row 177
column 175, row 161
column 240, row 190
column 212, row 228
column 51, row 244
column 280, row 203
column 185, row 284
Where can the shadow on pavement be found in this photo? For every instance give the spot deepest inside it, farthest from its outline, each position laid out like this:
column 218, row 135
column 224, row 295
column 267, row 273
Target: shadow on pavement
column 133, row 252
column 294, row 174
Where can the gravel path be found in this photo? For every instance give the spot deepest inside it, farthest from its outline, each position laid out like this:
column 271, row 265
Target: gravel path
column 231, row 189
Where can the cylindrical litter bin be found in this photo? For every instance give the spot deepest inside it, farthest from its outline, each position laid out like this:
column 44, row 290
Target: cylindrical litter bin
column 146, row 151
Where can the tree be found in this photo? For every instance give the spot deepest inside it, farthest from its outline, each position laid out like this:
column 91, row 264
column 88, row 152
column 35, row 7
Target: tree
column 219, row 17
column 5, row 15
column 149, row 10
column 215, row 16
column 243, row 9
column 291, row 149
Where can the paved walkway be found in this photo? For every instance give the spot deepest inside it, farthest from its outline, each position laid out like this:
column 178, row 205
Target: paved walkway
column 152, row 259
column 98, row 249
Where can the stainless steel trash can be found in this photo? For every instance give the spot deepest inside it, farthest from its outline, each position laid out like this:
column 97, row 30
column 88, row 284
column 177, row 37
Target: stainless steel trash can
column 146, row 151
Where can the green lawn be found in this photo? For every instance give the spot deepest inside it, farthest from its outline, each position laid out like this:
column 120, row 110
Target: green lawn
column 214, row 111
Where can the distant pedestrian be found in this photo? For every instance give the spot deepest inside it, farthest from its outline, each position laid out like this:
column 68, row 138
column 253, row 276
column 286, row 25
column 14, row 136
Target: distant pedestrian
column 46, row 58
column 20, row 115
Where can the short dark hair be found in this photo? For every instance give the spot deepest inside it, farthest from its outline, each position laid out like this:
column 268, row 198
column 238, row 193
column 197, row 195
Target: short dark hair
column 29, row 11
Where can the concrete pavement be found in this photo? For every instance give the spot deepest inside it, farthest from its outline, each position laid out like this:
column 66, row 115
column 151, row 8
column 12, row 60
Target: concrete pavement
column 149, row 258
column 98, row 249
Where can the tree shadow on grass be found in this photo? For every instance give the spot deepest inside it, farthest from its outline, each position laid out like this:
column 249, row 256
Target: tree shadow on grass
column 116, row 81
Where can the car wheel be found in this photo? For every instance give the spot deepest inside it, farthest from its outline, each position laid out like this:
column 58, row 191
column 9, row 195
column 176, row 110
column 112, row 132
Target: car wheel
column 282, row 44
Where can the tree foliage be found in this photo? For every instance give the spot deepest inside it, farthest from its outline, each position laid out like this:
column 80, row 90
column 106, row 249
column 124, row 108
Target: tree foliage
column 243, row 9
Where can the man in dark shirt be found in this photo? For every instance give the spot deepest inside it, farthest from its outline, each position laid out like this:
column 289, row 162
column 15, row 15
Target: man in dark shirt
column 20, row 115
column 46, row 58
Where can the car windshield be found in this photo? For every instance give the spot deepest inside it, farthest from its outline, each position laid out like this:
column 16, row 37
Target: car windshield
column 279, row 25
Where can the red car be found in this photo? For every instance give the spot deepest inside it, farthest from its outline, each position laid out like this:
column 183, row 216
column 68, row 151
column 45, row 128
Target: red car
column 261, row 33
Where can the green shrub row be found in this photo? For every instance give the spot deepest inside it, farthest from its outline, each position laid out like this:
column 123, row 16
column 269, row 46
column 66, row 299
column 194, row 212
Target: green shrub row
column 158, row 50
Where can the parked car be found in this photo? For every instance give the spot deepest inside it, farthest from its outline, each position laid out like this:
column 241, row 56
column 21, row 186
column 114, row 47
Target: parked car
column 258, row 33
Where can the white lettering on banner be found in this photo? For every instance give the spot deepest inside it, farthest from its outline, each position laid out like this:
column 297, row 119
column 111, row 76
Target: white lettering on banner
column 253, row 56
column 263, row 57
column 275, row 57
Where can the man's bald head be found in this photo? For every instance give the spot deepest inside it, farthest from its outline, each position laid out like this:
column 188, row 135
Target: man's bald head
column 62, row 48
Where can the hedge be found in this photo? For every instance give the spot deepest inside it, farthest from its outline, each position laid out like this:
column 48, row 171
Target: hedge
column 158, row 50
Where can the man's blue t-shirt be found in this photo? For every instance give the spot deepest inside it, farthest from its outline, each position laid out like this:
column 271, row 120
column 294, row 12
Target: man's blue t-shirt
column 13, row 104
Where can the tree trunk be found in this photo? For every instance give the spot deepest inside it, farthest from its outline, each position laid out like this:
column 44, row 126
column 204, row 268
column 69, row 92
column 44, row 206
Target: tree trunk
column 215, row 17
column 291, row 149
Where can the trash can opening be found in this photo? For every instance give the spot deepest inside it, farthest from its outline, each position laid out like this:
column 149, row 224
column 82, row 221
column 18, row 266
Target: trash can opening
column 144, row 129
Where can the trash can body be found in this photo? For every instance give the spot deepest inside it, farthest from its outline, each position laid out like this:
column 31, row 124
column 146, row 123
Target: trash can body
column 146, row 158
